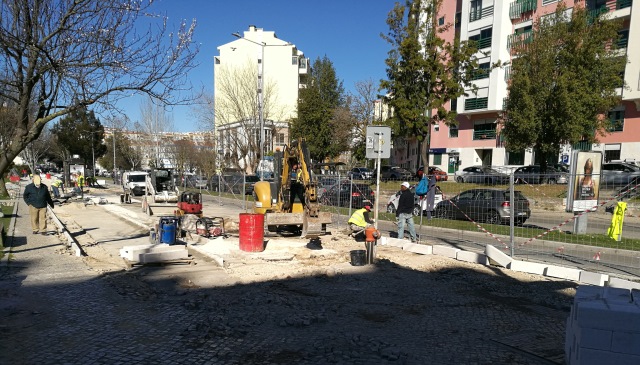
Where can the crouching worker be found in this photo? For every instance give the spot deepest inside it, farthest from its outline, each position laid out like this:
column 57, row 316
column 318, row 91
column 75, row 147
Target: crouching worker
column 360, row 220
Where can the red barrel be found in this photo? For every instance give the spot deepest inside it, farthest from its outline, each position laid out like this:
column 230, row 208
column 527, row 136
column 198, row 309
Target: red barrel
column 252, row 232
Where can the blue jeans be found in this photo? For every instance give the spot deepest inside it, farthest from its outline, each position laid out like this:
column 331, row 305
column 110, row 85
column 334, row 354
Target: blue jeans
column 408, row 218
column 56, row 191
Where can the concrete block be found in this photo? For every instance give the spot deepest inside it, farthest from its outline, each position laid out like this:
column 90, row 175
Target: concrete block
column 599, row 357
column 593, row 278
column 620, row 283
column 132, row 253
column 445, row 251
column 396, row 242
column 418, row 248
column 614, row 317
column 616, row 295
column 164, row 256
column 469, row 256
column 526, row 266
column 498, row 256
column 562, row 272
column 592, row 338
column 626, row 342
column 588, row 292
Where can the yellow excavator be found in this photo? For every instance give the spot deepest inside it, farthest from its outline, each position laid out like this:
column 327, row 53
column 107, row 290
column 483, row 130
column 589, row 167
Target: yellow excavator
column 273, row 199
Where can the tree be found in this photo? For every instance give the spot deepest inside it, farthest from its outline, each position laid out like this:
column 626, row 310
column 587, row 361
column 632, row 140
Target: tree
column 184, row 155
column 58, row 56
column 362, row 104
column 318, row 104
column 237, row 109
column 563, row 80
column 424, row 71
column 153, row 124
column 37, row 149
column 81, row 133
column 127, row 156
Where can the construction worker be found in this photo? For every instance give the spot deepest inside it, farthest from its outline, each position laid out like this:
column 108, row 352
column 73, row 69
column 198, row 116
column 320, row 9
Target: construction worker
column 55, row 186
column 297, row 186
column 360, row 220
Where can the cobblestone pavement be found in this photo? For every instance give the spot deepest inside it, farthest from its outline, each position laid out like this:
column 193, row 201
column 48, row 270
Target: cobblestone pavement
column 56, row 308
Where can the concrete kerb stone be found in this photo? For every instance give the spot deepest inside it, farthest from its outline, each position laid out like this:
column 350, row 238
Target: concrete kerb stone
column 624, row 284
column 445, row 251
column 418, row 248
column 528, row 267
column 473, row 257
column 498, row 256
column 562, row 272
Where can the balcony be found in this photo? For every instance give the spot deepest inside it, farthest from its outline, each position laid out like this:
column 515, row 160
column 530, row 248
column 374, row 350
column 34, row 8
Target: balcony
column 519, row 7
column 482, row 42
column 484, row 134
column 621, row 4
column 481, row 13
column 520, row 39
column 477, row 103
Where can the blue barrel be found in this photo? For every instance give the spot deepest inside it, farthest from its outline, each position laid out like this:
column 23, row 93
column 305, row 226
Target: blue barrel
column 168, row 232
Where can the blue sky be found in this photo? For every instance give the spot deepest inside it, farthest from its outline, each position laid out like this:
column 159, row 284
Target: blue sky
column 346, row 31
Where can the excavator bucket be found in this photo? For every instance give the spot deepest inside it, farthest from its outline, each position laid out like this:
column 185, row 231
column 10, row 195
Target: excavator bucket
column 313, row 227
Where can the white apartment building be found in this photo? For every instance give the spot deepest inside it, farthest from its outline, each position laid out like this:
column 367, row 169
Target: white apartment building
column 496, row 25
column 281, row 67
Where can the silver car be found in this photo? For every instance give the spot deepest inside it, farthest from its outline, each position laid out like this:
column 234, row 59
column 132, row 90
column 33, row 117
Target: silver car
column 481, row 175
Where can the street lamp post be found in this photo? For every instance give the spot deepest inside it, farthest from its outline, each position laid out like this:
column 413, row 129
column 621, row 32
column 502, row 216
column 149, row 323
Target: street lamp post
column 260, row 95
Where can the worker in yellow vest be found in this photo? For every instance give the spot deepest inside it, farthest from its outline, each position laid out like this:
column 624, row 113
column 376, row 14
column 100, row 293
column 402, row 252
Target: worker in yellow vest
column 360, row 220
column 55, row 186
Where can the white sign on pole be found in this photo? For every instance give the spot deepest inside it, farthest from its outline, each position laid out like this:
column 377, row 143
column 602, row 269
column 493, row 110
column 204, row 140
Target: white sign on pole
column 378, row 142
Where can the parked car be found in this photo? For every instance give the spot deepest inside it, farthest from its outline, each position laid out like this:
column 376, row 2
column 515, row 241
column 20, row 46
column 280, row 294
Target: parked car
column 233, row 183
column 325, row 183
column 440, row 174
column 197, row 182
column 418, row 202
column 533, row 175
column 394, row 173
column 619, row 174
column 360, row 173
column 341, row 194
column 481, row 175
column 485, row 205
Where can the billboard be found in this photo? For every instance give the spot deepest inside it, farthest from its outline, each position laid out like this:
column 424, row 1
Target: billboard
column 584, row 185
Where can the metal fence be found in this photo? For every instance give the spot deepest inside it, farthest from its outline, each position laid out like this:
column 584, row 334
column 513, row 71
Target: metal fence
column 470, row 215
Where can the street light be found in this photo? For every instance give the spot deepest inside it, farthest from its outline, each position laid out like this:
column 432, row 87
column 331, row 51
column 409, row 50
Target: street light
column 260, row 95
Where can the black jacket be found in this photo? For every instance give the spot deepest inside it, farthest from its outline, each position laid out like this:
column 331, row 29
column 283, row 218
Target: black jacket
column 405, row 203
column 37, row 197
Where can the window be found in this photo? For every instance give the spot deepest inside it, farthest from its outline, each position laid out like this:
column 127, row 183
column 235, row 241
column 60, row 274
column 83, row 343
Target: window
column 303, row 63
column 547, row 2
column 483, row 40
column 611, row 152
column 476, row 103
column 441, row 21
column 437, row 159
column 482, row 72
column 484, row 130
column 617, row 120
column 217, row 60
column 294, row 60
column 454, row 105
column 515, row 158
column 623, row 38
column 453, row 131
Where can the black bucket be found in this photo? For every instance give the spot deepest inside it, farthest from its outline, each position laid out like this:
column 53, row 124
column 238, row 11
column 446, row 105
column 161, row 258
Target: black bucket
column 358, row 257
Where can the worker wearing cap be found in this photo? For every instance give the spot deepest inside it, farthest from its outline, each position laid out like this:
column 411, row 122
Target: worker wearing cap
column 360, row 219
column 404, row 212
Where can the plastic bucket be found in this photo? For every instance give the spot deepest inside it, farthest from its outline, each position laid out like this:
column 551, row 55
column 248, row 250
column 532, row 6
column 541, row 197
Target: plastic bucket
column 48, row 176
column 168, row 232
column 358, row 257
column 251, row 232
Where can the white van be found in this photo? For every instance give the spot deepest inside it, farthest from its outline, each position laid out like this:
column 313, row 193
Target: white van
column 133, row 182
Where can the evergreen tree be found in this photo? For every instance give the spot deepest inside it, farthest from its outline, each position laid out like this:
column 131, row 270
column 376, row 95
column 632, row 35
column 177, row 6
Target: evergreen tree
column 424, row 70
column 318, row 106
column 563, row 82
column 81, row 133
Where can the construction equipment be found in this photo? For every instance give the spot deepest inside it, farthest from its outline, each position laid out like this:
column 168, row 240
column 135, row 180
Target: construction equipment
column 161, row 194
column 210, row 227
column 273, row 199
column 189, row 203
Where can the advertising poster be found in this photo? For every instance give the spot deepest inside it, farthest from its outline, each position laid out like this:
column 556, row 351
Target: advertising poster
column 586, row 184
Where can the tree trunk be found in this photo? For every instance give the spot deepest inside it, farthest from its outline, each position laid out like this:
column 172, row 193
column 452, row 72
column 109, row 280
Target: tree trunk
column 424, row 153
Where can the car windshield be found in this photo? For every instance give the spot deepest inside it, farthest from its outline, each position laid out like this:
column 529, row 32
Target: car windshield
column 136, row 178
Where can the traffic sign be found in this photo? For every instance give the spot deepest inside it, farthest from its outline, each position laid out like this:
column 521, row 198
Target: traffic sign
column 378, row 142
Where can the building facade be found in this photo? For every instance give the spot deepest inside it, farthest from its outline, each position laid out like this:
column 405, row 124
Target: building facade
column 279, row 69
column 496, row 25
